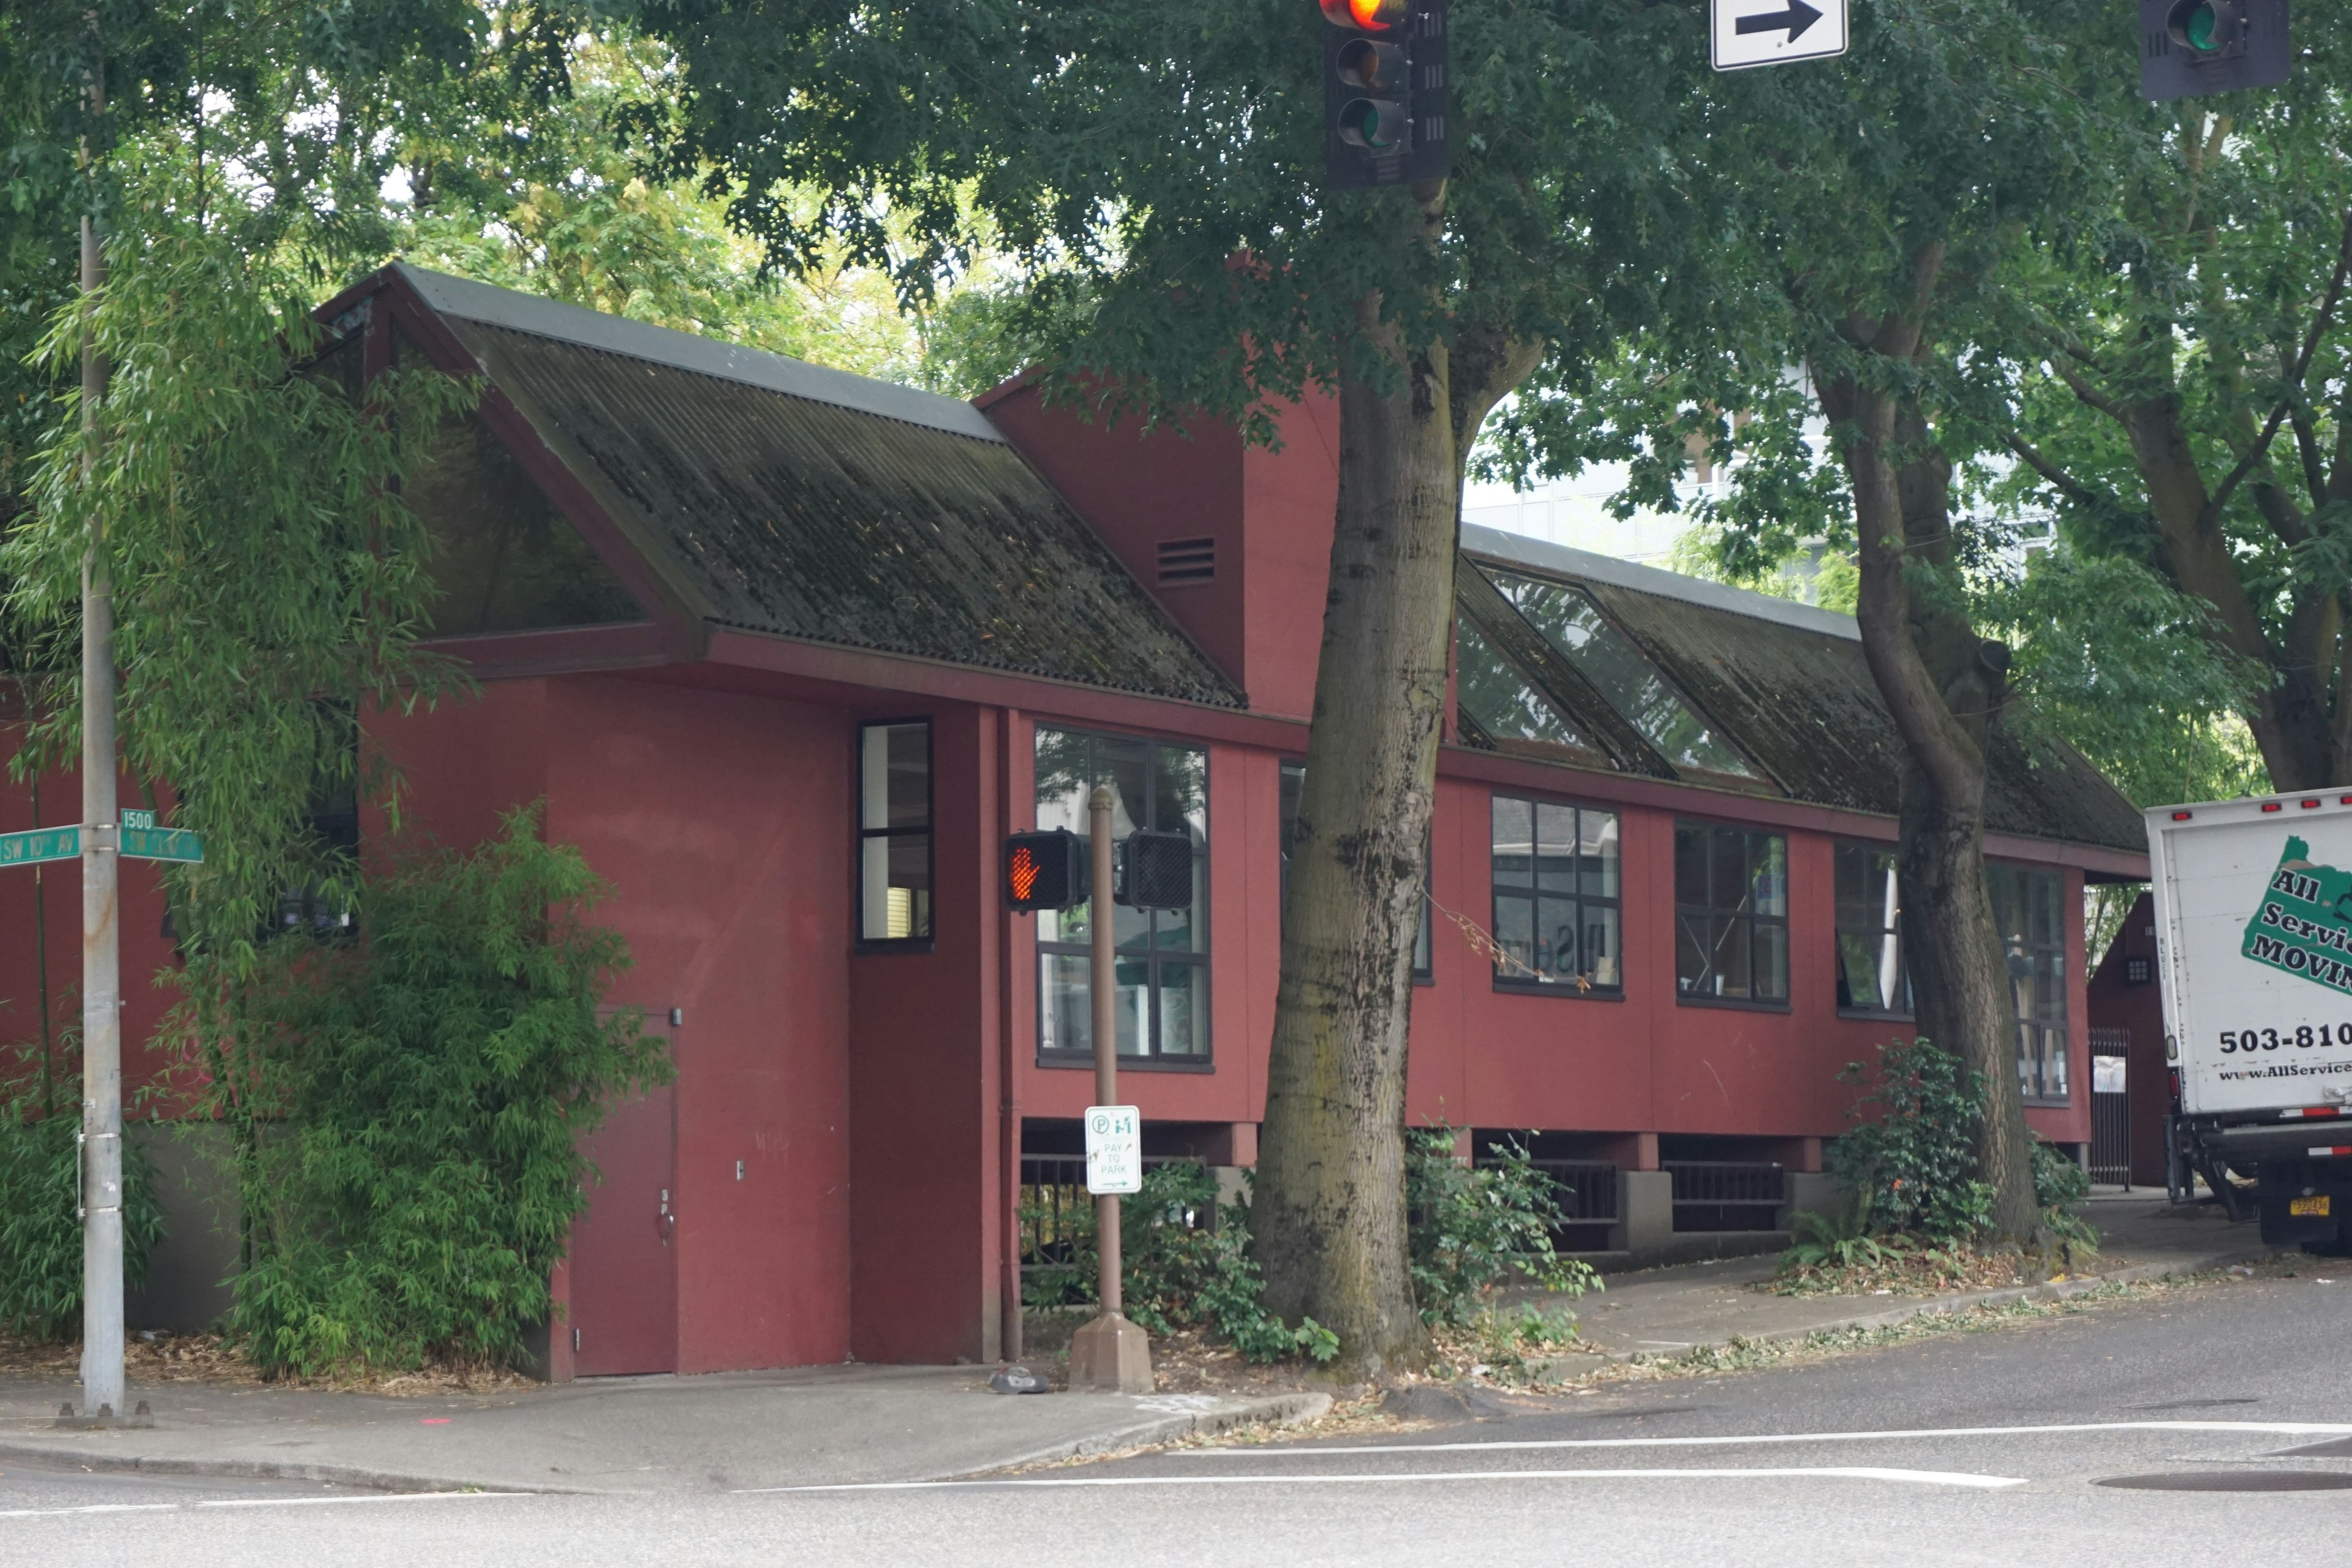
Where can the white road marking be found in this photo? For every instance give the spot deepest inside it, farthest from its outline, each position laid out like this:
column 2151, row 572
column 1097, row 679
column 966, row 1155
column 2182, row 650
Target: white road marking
column 1843, row 1472
column 2283, row 1428
column 242, row 1502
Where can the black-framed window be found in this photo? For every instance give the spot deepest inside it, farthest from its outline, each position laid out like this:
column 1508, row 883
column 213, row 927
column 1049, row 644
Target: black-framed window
column 1293, row 781
column 1731, row 914
column 894, row 833
column 1557, row 882
column 2029, row 907
column 1874, row 976
column 1162, row 963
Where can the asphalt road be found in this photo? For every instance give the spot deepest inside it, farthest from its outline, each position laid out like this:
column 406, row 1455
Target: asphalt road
column 1971, row 1448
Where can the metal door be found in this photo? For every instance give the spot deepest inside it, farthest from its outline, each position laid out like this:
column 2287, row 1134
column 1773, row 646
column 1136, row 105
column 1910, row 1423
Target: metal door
column 2111, row 1140
column 623, row 1252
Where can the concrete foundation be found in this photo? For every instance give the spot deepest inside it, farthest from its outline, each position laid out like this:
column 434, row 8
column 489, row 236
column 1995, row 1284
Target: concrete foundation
column 1109, row 1354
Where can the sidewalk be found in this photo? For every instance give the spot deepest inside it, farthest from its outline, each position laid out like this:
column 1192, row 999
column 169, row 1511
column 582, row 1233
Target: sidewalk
column 1664, row 1311
column 716, row 1433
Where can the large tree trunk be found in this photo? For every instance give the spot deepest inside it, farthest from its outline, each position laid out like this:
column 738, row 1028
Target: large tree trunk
column 1944, row 688
column 1327, row 1211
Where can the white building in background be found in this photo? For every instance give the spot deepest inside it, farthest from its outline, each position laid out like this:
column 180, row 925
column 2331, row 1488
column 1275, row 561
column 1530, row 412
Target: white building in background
column 1575, row 512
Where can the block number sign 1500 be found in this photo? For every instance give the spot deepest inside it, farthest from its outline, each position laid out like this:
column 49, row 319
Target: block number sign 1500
column 2303, row 1038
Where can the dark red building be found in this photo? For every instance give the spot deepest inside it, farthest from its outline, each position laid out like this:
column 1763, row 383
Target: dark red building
column 787, row 653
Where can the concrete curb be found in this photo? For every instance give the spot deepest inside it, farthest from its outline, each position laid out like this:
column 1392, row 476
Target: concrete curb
column 2049, row 1290
column 1277, row 1410
column 253, row 1470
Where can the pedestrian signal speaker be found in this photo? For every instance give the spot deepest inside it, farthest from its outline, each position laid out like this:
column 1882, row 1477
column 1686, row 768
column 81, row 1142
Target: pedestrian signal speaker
column 1045, row 871
column 1384, row 92
column 1156, row 871
column 2189, row 47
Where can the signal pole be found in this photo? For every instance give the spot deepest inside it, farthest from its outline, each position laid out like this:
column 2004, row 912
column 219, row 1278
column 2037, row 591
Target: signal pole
column 1109, row 1354
column 100, row 1153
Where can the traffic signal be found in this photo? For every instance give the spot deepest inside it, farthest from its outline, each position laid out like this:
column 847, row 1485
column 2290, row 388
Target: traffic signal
column 1045, row 871
column 2189, row 47
column 1384, row 92
column 1155, row 872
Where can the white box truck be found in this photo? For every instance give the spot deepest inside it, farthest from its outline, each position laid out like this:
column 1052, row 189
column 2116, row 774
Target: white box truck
column 2253, row 907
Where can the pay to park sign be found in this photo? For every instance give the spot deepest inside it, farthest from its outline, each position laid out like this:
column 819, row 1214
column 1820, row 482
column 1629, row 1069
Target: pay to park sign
column 1114, row 1149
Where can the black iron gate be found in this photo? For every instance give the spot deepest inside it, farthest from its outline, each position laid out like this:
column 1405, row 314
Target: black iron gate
column 2110, row 1107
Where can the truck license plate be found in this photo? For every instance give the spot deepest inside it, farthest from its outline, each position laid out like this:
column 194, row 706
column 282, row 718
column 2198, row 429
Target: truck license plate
column 2316, row 1208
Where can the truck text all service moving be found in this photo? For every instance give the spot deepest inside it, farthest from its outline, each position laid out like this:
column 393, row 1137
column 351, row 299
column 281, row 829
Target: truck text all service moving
column 2253, row 904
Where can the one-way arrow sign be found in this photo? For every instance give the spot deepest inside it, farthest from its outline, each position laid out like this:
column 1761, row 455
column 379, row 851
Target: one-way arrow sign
column 1774, row 32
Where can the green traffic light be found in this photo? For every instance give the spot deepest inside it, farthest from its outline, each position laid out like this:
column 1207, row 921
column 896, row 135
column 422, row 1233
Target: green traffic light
column 2198, row 27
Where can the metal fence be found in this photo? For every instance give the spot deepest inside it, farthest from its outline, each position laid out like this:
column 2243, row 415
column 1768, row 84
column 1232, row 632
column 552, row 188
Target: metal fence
column 2111, row 1138
column 1727, row 1194
column 1587, row 1192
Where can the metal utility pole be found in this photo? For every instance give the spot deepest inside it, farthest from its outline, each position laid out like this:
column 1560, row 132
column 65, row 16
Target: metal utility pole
column 1109, row 1354
column 101, row 953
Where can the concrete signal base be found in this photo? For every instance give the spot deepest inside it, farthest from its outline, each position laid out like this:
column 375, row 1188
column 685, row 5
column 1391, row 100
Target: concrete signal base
column 1110, row 1355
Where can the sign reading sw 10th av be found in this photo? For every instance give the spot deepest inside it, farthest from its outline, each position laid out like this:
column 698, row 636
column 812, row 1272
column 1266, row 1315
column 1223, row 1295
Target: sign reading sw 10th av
column 1744, row 33
column 1114, row 1149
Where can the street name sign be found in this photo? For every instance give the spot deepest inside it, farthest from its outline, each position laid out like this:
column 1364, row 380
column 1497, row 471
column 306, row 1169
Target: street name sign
column 1744, row 33
column 39, row 844
column 142, row 840
column 1114, row 1149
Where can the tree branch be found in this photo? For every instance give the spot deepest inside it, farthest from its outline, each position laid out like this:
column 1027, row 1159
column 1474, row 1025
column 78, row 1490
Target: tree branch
column 2247, row 464
column 2065, row 483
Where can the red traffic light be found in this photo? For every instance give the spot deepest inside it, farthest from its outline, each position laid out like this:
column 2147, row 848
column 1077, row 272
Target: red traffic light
column 1372, row 16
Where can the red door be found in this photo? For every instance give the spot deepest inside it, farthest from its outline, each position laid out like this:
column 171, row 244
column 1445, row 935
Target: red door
column 624, row 1261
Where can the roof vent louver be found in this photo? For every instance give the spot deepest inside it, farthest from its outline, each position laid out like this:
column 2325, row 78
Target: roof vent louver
column 1187, row 560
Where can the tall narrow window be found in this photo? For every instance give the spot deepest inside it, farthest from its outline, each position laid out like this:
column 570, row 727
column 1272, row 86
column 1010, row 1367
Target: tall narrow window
column 1872, row 975
column 2028, row 908
column 1556, row 896
column 894, row 832
column 1294, row 782
column 1731, row 914
column 1161, row 966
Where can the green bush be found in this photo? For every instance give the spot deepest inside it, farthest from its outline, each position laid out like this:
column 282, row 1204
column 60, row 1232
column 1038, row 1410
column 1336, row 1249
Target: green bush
column 2060, row 1185
column 40, row 1225
column 1178, row 1269
column 407, row 1108
column 1910, row 1158
column 1471, row 1228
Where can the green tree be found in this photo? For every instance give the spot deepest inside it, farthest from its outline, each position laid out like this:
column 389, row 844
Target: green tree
column 1157, row 179
column 2185, row 362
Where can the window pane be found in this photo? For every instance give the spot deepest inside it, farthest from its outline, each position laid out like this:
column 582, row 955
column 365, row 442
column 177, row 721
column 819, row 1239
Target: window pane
column 1771, row 961
column 1601, row 945
column 1515, row 933
column 1623, row 672
column 1690, row 863
column 1063, row 1022
column 1183, row 1010
column 1556, row 938
column 1187, row 929
column 1124, row 764
column 1514, row 842
column 1556, row 847
column 1293, row 781
column 1422, row 956
column 1596, row 852
column 1857, row 980
column 1853, row 881
column 906, row 761
column 1731, row 953
column 1770, row 870
column 1062, row 781
column 1504, row 704
column 1727, row 882
column 1181, row 804
column 1691, row 974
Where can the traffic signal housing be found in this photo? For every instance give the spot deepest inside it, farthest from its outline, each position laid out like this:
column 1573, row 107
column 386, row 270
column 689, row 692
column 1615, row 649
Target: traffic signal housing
column 2189, row 48
column 1384, row 92
column 1045, row 871
column 1155, row 872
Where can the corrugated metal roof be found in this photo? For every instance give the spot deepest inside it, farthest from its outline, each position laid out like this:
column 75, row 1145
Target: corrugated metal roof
column 1797, row 696
column 832, row 519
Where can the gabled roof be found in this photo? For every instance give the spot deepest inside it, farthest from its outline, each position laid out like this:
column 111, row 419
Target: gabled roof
column 784, row 498
column 1789, row 686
